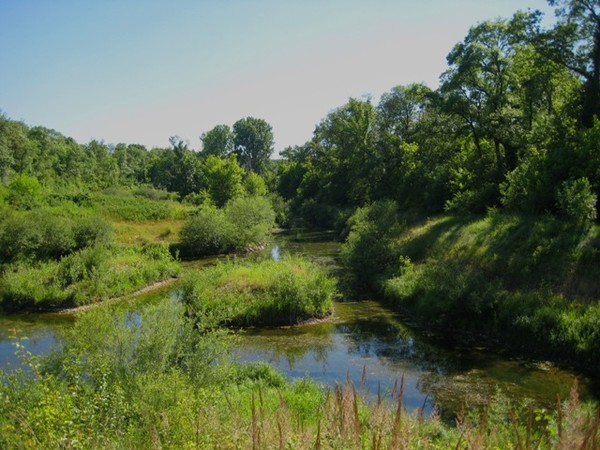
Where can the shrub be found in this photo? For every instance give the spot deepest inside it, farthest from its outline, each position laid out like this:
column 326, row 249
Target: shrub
column 43, row 234
column 370, row 249
column 24, row 192
column 576, row 201
column 268, row 292
column 206, row 233
column 243, row 224
column 252, row 219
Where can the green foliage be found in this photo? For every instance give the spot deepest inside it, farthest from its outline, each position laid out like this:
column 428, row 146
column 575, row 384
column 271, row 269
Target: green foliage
column 222, row 179
column 86, row 276
column 370, row 248
column 244, row 223
column 253, row 143
column 122, row 204
column 24, row 192
column 47, row 234
column 251, row 219
column 254, row 185
column 531, row 282
column 218, row 141
column 268, row 292
column 576, row 201
column 208, row 232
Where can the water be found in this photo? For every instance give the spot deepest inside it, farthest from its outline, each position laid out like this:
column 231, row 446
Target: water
column 362, row 338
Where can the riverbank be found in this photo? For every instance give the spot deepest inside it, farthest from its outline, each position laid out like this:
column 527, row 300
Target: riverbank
column 531, row 284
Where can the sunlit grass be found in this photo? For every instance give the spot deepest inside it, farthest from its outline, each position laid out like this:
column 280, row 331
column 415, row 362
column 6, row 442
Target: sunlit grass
column 136, row 233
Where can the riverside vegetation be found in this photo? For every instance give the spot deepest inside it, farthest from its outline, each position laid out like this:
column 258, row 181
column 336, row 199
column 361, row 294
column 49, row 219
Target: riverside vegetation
column 472, row 207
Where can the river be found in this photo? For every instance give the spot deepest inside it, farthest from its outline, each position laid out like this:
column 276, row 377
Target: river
column 364, row 341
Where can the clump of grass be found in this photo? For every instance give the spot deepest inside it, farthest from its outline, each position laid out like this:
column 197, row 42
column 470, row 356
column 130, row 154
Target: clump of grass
column 267, row 292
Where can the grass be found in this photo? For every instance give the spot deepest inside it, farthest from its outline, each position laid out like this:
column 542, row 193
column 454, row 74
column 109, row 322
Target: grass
column 263, row 293
column 125, row 205
column 87, row 276
column 139, row 233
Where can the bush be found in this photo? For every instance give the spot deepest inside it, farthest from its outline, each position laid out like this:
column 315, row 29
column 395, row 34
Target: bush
column 42, row 234
column 370, row 250
column 252, row 219
column 576, row 201
column 24, row 192
column 206, row 233
column 269, row 292
column 243, row 224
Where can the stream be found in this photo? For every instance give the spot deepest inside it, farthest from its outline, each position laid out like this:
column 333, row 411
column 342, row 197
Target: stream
column 363, row 341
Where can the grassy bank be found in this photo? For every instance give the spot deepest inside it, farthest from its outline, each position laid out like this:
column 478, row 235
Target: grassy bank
column 532, row 283
column 264, row 293
column 87, row 276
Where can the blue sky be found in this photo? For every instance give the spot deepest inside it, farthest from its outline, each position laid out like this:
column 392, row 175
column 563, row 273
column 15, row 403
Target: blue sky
column 139, row 71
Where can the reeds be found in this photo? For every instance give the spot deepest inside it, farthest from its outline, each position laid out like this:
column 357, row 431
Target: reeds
column 350, row 420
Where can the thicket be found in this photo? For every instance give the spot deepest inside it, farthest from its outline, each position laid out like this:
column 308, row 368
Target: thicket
column 531, row 282
column 264, row 293
column 243, row 224
column 49, row 233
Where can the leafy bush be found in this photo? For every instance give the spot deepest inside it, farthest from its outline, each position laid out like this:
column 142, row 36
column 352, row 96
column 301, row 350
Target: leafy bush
column 24, row 192
column 252, row 219
column 244, row 223
column 206, row 233
column 43, row 234
column 268, row 292
column 576, row 201
column 370, row 249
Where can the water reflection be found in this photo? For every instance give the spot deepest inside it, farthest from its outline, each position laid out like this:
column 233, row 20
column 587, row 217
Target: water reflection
column 366, row 336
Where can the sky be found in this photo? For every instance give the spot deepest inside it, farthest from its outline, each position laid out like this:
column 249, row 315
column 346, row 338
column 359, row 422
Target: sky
column 140, row 71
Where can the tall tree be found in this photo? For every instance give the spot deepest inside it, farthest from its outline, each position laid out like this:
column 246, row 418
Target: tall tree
column 253, row 139
column 575, row 43
column 218, row 141
column 480, row 85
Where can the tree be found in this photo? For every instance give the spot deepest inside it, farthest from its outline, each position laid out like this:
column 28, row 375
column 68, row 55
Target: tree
column 218, row 141
column 253, row 139
column 479, row 85
column 575, row 43
column 222, row 178
column 345, row 147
